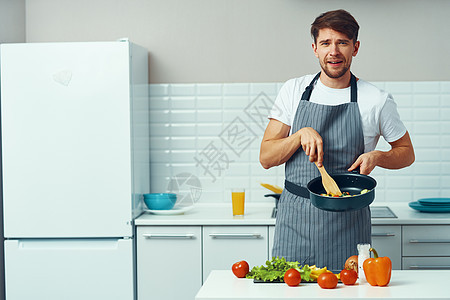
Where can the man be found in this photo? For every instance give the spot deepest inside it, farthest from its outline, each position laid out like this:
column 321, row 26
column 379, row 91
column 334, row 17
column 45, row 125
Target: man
column 333, row 119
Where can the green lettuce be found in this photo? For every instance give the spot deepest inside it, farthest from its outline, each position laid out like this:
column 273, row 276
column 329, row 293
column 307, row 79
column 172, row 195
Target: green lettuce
column 274, row 270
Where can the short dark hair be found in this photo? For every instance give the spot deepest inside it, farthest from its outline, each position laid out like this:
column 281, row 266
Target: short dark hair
column 338, row 20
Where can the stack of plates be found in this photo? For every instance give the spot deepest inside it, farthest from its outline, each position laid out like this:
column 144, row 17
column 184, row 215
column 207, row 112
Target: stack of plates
column 174, row 211
column 433, row 205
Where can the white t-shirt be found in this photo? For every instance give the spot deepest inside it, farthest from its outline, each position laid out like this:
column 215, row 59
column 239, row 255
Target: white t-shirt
column 378, row 110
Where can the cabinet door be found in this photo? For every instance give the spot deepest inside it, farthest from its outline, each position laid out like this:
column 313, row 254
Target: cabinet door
column 426, row 263
column 169, row 262
column 426, row 240
column 387, row 241
column 225, row 245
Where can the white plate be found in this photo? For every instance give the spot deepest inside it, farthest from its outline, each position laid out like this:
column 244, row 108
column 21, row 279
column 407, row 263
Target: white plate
column 173, row 211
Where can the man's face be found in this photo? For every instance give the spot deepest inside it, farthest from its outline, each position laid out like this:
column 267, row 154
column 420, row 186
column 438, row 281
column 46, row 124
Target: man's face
column 334, row 51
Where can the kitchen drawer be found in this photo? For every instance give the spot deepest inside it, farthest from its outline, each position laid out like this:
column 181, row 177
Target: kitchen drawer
column 225, row 245
column 433, row 240
column 426, row 263
column 387, row 241
column 168, row 255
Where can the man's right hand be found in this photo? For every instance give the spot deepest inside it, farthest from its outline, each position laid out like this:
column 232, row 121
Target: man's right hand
column 278, row 146
column 312, row 144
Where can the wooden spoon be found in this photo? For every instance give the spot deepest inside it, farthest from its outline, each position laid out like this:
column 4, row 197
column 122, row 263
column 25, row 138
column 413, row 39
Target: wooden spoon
column 328, row 183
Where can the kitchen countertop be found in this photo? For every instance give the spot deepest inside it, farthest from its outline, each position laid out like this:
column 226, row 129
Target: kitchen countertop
column 405, row 284
column 260, row 214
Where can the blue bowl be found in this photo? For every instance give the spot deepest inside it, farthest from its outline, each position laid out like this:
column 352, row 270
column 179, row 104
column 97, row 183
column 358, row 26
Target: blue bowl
column 161, row 201
column 159, row 195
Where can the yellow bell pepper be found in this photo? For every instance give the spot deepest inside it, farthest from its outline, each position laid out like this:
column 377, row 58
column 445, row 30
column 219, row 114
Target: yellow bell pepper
column 315, row 272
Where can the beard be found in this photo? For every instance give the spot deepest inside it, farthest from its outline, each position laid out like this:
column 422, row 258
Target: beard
column 335, row 73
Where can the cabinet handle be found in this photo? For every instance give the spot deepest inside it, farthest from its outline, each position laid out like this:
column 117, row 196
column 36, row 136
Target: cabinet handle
column 418, row 241
column 169, row 235
column 235, row 235
column 429, row 267
column 382, row 234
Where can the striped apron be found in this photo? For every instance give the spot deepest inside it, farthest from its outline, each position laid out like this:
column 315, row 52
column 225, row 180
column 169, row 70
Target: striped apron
column 303, row 232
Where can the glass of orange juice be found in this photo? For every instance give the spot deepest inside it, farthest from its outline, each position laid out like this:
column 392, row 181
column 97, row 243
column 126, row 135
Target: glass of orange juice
column 238, row 200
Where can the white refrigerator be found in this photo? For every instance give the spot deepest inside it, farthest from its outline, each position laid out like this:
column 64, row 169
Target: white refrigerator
column 75, row 163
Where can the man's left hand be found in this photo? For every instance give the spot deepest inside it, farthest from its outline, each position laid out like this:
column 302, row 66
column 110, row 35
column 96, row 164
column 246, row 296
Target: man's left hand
column 401, row 155
column 366, row 162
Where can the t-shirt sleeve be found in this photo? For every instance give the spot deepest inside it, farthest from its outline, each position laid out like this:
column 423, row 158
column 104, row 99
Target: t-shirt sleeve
column 281, row 109
column 391, row 127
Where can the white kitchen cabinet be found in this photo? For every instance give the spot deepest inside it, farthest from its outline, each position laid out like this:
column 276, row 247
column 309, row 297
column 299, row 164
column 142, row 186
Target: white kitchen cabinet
column 387, row 241
column 225, row 245
column 169, row 262
column 431, row 240
column 426, row 263
column 426, row 247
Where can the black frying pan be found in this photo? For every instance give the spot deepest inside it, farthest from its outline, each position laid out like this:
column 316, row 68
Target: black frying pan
column 353, row 183
column 347, row 182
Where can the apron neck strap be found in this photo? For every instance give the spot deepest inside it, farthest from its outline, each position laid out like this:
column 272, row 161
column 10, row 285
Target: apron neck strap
column 307, row 93
column 353, row 90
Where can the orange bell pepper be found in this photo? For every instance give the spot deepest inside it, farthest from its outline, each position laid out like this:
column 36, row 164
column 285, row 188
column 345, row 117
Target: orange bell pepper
column 377, row 269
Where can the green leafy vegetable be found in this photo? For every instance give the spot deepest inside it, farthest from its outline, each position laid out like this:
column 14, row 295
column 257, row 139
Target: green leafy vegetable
column 306, row 272
column 274, row 270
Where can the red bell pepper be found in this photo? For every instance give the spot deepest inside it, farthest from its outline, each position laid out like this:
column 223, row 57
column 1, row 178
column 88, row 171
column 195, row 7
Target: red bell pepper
column 377, row 269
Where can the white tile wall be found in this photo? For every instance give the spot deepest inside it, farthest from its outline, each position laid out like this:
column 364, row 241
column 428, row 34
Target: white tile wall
column 214, row 131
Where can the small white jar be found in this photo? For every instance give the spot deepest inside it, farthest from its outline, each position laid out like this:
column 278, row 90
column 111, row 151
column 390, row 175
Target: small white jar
column 363, row 254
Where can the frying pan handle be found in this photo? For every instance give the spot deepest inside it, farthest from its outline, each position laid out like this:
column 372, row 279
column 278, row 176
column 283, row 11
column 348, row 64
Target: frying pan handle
column 296, row 189
column 356, row 171
column 276, row 196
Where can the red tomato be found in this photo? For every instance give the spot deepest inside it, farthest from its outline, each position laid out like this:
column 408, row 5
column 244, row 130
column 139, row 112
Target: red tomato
column 327, row 280
column 349, row 277
column 240, row 269
column 292, row 277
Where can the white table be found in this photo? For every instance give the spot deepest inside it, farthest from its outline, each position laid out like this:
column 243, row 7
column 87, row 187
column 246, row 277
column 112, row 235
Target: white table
column 405, row 284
